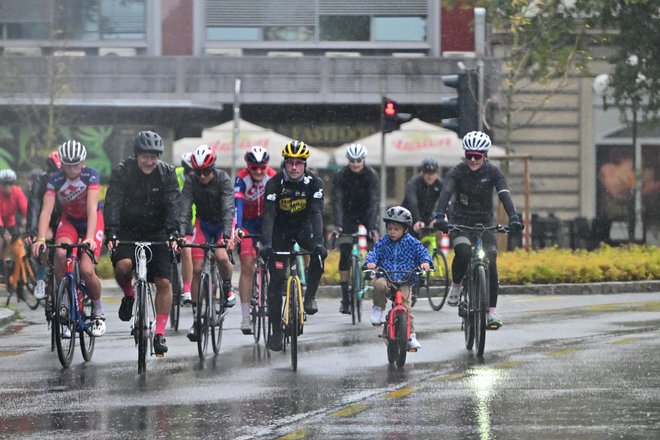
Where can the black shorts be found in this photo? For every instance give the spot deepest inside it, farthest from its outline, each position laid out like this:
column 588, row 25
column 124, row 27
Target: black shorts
column 159, row 260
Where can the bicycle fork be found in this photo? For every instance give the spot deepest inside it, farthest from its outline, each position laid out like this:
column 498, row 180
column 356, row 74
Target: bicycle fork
column 287, row 304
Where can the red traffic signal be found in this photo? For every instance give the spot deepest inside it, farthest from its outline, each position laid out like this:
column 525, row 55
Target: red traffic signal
column 390, row 108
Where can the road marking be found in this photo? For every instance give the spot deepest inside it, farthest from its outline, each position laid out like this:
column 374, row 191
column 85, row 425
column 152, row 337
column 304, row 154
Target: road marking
column 350, row 411
column 563, row 352
column 295, row 435
column 10, row 353
column 448, row 377
column 401, row 392
column 509, row 364
column 625, row 340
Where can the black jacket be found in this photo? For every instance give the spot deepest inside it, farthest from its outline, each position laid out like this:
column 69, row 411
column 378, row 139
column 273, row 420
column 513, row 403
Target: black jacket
column 422, row 199
column 148, row 205
column 356, row 197
column 214, row 202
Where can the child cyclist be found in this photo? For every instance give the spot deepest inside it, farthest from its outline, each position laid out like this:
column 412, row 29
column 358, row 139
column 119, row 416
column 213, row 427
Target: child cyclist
column 397, row 251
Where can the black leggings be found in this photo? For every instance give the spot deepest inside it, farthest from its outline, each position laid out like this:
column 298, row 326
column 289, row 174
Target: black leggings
column 459, row 265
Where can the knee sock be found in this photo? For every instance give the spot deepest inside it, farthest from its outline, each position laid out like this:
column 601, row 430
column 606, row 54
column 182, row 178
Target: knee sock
column 161, row 322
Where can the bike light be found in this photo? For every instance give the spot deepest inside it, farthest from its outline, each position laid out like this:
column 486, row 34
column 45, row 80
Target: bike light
column 481, row 254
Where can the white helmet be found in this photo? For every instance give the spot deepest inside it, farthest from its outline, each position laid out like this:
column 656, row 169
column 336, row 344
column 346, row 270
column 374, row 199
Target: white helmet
column 185, row 160
column 398, row 214
column 476, row 141
column 257, row 155
column 72, row 153
column 203, row 157
column 356, row 151
column 7, row 176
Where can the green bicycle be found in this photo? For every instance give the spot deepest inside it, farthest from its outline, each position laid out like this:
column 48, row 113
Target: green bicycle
column 436, row 282
column 357, row 287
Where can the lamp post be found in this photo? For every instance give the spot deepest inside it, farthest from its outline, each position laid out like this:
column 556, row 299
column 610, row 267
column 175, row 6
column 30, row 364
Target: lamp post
column 601, row 86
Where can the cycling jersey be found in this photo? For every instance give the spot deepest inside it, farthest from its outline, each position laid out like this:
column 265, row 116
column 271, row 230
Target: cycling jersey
column 214, row 201
column 473, row 193
column 356, row 198
column 249, row 196
column 146, row 206
column 422, row 199
column 72, row 194
column 11, row 203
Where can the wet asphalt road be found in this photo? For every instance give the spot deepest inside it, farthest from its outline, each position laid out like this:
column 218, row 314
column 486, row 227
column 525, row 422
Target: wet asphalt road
column 582, row 367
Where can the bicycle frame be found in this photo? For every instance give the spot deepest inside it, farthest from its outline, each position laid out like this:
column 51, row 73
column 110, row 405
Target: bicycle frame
column 22, row 276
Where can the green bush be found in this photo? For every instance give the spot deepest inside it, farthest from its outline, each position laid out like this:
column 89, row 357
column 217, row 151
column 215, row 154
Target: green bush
column 104, row 268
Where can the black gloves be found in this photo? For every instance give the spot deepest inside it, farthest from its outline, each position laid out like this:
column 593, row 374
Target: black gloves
column 515, row 225
column 266, row 253
column 320, row 250
column 442, row 225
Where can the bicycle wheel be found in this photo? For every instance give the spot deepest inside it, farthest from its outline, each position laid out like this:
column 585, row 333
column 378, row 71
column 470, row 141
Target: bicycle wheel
column 65, row 338
column 294, row 321
column 203, row 315
column 87, row 340
column 481, row 297
column 217, row 321
column 353, row 289
column 468, row 320
column 437, row 281
column 401, row 332
column 30, row 281
column 254, row 306
column 359, row 291
column 141, row 319
column 263, row 304
column 177, row 290
column 50, row 306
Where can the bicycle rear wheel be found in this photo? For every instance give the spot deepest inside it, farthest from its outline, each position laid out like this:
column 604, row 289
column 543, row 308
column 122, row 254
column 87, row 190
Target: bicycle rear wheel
column 437, row 281
column 177, row 290
column 481, row 308
column 203, row 315
column 49, row 307
column 141, row 322
column 353, row 292
column 30, row 269
column 65, row 338
column 294, row 321
column 87, row 340
column 217, row 321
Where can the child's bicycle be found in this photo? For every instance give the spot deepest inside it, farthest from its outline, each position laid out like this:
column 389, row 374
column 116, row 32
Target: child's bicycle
column 436, row 282
column 20, row 275
column 397, row 322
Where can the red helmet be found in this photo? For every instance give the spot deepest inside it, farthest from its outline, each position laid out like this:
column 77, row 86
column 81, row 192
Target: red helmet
column 203, row 157
column 53, row 162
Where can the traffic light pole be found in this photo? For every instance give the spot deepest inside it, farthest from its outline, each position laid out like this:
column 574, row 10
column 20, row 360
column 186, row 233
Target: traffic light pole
column 383, row 172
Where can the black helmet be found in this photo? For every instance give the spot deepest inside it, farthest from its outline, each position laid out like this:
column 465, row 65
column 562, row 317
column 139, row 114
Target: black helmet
column 429, row 166
column 148, row 142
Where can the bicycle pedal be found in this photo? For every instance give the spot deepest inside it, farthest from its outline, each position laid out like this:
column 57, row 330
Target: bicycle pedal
column 159, row 355
column 412, row 350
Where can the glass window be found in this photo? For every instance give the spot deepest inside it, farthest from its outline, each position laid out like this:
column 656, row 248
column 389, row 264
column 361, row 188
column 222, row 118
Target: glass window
column 233, row 34
column 344, row 28
column 399, row 29
column 289, row 33
column 27, row 31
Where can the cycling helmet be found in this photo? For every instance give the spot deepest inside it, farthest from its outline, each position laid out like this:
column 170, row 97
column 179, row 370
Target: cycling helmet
column 148, row 142
column 295, row 150
column 72, row 153
column 398, row 214
column 476, row 141
column 203, row 157
column 7, row 176
column 356, row 151
column 257, row 155
column 186, row 161
column 429, row 166
column 53, row 162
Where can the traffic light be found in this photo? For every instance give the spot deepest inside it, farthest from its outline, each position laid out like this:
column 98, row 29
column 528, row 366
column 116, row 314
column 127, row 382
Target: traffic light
column 391, row 119
column 463, row 109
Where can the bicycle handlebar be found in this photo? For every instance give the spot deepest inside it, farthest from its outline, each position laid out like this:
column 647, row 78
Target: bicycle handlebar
column 208, row 247
column 479, row 228
column 381, row 272
column 72, row 246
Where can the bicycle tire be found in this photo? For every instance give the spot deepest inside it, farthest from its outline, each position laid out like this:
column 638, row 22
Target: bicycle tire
column 216, row 322
column 65, row 346
column 294, row 321
column 87, row 340
column 177, row 290
column 401, row 337
column 203, row 315
column 358, row 294
column 468, row 322
column 437, row 281
column 353, row 290
column 141, row 324
column 254, row 305
column 50, row 306
column 481, row 290
column 31, row 281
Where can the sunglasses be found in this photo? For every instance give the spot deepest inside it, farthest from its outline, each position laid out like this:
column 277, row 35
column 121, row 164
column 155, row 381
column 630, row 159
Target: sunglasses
column 257, row 167
column 295, row 162
column 474, row 156
column 355, row 160
column 204, row 172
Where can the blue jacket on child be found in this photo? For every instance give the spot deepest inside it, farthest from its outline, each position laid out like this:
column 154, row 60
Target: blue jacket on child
column 401, row 256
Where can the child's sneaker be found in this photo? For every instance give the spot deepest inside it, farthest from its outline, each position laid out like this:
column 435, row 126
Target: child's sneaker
column 413, row 344
column 376, row 315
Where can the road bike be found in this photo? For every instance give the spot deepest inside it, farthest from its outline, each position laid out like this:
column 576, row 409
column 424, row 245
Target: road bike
column 177, row 292
column 475, row 287
column 74, row 313
column 357, row 288
column 397, row 321
column 436, row 282
column 293, row 314
column 211, row 310
column 20, row 275
column 258, row 301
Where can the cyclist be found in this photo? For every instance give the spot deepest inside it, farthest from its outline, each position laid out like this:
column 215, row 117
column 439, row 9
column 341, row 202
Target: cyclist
column 422, row 195
column 76, row 187
column 182, row 172
column 398, row 251
column 249, row 190
column 355, row 200
column 293, row 212
column 143, row 202
column 471, row 185
column 35, row 200
column 211, row 191
column 12, row 200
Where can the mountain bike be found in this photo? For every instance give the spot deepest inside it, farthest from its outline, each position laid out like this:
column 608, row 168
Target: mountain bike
column 73, row 314
column 177, row 292
column 211, row 310
column 357, row 288
column 293, row 314
column 20, row 275
column 475, row 287
column 436, row 282
column 396, row 330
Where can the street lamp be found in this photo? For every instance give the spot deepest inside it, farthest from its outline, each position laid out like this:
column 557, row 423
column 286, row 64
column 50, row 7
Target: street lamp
column 601, row 86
